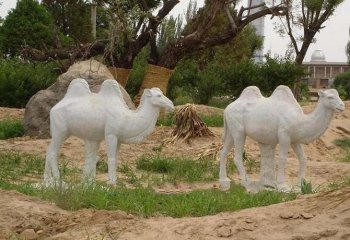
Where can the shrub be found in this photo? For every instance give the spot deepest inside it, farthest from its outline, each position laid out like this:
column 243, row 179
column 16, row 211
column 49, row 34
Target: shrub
column 342, row 84
column 19, row 81
column 10, row 128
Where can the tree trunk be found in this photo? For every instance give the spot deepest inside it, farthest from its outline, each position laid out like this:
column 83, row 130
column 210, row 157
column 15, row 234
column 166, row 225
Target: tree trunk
column 299, row 61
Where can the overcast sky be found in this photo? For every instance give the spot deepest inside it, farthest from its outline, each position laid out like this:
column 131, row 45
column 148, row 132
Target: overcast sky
column 331, row 40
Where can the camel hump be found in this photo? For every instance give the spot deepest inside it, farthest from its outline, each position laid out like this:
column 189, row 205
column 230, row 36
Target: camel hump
column 284, row 94
column 110, row 87
column 251, row 92
column 78, row 88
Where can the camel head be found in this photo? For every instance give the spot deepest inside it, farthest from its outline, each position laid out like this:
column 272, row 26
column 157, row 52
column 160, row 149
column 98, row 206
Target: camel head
column 158, row 99
column 331, row 100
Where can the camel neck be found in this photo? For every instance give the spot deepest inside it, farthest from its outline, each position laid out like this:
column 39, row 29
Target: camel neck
column 314, row 124
column 142, row 121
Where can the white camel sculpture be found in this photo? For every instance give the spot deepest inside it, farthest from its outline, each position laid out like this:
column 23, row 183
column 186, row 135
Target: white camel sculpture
column 94, row 117
column 278, row 119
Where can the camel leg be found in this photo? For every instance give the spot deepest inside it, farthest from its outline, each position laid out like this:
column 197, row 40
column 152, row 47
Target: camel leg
column 228, row 144
column 91, row 158
column 267, row 165
column 52, row 174
column 239, row 140
column 111, row 142
column 284, row 144
column 298, row 149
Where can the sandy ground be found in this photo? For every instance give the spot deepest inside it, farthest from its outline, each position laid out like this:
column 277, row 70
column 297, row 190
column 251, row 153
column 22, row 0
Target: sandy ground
column 322, row 216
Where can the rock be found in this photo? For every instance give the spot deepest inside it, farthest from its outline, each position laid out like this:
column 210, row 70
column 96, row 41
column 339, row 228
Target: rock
column 29, row 234
column 306, row 215
column 36, row 122
column 286, row 215
column 224, row 232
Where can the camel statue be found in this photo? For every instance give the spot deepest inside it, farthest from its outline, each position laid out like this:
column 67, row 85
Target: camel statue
column 97, row 116
column 278, row 119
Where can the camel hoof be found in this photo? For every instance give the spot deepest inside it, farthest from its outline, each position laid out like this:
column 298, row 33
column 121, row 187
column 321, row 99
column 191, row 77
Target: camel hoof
column 225, row 184
column 283, row 188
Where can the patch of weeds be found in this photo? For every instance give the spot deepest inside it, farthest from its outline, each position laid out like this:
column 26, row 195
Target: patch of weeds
column 15, row 166
column 250, row 163
column 10, row 128
column 102, row 166
column 179, row 169
column 213, row 120
column 220, row 102
column 343, row 143
column 145, row 202
column 306, row 187
column 129, row 173
column 167, row 120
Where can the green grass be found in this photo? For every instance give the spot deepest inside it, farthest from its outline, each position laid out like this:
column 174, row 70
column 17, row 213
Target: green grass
column 10, row 128
column 145, row 202
column 179, row 169
column 220, row 102
column 213, row 120
column 345, row 144
column 141, row 201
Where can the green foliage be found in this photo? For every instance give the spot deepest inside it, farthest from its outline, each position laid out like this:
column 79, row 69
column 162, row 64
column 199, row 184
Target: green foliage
column 342, row 83
column 16, row 165
column 212, row 120
column 345, row 144
column 138, row 72
column 266, row 76
column 28, row 24
column 19, row 81
column 179, row 169
column 10, row 128
column 203, row 74
column 306, row 187
column 144, row 202
column 72, row 18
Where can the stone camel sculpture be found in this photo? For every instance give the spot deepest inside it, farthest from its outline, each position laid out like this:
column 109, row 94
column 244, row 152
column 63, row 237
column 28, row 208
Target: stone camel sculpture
column 97, row 116
column 278, row 119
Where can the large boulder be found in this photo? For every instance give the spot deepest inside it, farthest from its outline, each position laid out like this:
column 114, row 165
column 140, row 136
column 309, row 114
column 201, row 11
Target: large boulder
column 36, row 120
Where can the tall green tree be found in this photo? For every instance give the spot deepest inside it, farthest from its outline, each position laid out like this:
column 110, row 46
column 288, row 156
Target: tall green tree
column 28, row 24
column 72, row 18
column 304, row 19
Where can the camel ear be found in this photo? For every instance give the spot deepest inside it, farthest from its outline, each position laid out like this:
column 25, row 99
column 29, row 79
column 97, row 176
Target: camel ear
column 321, row 93
column 147, row 92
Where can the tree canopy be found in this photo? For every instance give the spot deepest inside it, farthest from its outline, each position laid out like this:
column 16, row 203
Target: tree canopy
column 29, row 24
column 304, row 19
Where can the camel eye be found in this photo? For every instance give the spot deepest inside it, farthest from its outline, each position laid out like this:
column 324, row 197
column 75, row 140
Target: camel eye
column 159, row 95
column 330, row 97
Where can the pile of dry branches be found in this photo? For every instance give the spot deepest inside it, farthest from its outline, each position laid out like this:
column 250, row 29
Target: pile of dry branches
column 189, row 125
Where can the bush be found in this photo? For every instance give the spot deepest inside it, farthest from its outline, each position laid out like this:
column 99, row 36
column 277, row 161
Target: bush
column 230, row 78
column 19, row 81
column 10, row 128
column 342, row 84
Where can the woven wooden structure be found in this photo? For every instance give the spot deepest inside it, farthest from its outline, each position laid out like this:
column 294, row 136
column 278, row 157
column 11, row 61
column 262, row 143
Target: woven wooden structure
column 155, row 76
column 120, row 74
